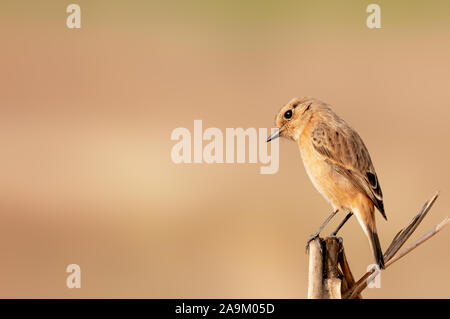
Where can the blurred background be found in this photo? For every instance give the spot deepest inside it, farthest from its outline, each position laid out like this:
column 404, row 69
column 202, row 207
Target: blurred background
column 86, row 115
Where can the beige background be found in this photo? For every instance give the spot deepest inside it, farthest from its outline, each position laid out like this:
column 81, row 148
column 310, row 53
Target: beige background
column 85, row 123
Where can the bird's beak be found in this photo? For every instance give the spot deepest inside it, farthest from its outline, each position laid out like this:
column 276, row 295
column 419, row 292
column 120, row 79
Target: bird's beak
column 275, row 135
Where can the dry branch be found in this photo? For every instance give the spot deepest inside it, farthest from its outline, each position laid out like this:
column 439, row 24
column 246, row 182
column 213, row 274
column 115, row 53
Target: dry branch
column 329, row 272
column 403, row 235
column 315, row 269
column 348, row 281
column 330, row 275
column 398, row 241
column 420, row 241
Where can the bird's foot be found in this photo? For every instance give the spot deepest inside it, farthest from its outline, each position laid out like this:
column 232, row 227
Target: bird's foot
column 339, row 239
column 310, row 239
column 334, row 235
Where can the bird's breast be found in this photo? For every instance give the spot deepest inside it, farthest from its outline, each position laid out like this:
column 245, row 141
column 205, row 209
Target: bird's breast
column 333, row 187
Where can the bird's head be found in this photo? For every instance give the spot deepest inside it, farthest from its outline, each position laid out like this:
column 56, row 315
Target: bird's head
column 293, row 117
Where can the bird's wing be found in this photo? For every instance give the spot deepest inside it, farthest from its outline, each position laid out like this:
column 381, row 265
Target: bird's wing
column 343, row 148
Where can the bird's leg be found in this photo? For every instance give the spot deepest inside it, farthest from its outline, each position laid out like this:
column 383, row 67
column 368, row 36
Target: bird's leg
column 316, row 234
column 333, row 234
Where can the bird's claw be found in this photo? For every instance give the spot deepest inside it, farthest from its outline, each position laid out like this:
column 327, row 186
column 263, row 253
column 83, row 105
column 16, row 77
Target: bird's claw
column 310, row 239
column 333, row 235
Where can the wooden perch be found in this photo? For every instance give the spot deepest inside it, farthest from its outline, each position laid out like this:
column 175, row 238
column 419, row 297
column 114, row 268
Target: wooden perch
column 315, row 287
column 329, row 272
column 330, row 276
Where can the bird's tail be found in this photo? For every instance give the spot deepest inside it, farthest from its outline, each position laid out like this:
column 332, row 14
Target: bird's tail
column 376, row 247
column 366, row 218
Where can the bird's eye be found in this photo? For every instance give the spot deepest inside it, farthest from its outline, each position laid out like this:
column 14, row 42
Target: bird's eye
column 288, row 114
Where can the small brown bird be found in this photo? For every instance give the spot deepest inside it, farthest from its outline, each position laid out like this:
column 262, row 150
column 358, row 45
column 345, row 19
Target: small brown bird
column 337, row 162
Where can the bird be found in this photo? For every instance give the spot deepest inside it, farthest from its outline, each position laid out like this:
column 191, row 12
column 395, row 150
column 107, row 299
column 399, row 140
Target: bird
column 337, row 162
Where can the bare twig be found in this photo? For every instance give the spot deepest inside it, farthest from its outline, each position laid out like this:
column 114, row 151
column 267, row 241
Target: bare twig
column 332, row 288
column 332, row 274
column 329, row 272
column 403, row 235
column 362, row 283
column 348, row 281
column 325, row 277
column 315, row 285
column 420, row 241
